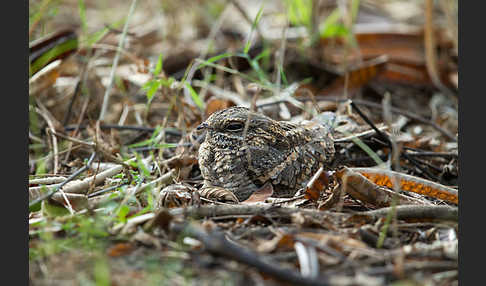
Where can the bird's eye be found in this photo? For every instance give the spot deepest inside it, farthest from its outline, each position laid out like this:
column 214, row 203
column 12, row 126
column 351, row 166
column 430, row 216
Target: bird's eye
column 234, row 126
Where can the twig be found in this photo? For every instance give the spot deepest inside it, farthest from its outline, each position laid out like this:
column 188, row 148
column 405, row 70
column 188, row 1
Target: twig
column 378, row 131
column 369, row 104
column 51, row 130
column 217, row 244
column 77, row 90
column 148, row 148
column 129, row 55
column 100, row 192
column 280, row 59
column 48, row 156
column 416, row 163
column 436, row 266
column 75, row 140
column 219, row 92
column 420, row 153
column 127, row 127
column 382, row 135
column 35, row 138
column 430, row 46
column 198, row 212
column 393, row 109
column 210, row 42
column 115, row 63
column 279, row 65
column 75, row 132
column 417, row 212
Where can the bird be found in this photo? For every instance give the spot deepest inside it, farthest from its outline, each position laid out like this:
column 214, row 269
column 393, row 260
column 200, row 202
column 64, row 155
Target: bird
column 243, row 150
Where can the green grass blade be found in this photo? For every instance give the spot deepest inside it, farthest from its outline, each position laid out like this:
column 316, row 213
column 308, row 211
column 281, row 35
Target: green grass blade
column 354, row 9
column 195, row 97
column 367, row 149
column 199, row 64
column 50, row 55
column 158, row 67
column 261, row 74
column 300, row 12
column 40, row 10
column 141, row 166
column 331, row 26
column 226, row 69
column 151, row 87
column 253, row 27
column 98, row 35
column 82, row 15
column 217, row 58
column 283, row 76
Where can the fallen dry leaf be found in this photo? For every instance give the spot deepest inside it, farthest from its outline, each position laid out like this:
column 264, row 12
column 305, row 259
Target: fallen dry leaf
column 260, row 195
column 120, row 249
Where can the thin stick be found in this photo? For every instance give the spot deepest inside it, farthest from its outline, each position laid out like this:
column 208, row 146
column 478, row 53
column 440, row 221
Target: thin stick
column 417, row 212
column 127, row 127
column 115, row 63
column 129, row 55
column 430, row 46
column 421, row 153
column 77, row 91
column 217, row 244
column 75, row 132
column 378, row 131
column 395, row 110
column 75, row 140
column 45, row 114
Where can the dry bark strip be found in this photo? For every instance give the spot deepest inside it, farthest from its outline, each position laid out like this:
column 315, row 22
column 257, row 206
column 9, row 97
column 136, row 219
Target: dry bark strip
column 409, row 183
column 40, row 197
column 47, row 181
column 78, row 186
column 361, row 188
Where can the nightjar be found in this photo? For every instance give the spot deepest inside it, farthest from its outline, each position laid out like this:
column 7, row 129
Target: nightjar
column 243, row 150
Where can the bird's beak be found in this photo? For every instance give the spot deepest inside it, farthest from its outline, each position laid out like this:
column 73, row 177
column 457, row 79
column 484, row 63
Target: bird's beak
column 201, row 126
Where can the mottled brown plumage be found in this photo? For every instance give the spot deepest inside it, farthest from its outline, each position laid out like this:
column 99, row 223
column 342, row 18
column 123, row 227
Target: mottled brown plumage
column 242, row 158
